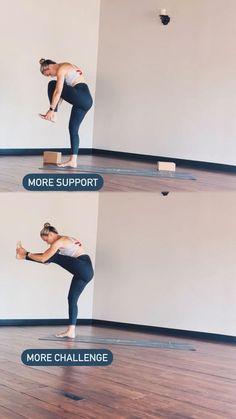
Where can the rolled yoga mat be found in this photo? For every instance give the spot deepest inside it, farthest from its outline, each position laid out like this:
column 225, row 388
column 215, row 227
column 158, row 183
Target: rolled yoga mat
column 125, row 342
column 121, row 171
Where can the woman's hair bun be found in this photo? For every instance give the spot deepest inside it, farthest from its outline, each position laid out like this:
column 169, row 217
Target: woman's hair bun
column 48, row 228
column 41, row 61
column 46, row 225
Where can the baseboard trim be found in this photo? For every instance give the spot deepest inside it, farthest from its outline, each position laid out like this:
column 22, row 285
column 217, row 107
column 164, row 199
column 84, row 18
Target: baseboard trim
column 187, row 334
column 153, row 159
column 165, row 331
column 39, row 151
column 124, row 156
column 42, row 322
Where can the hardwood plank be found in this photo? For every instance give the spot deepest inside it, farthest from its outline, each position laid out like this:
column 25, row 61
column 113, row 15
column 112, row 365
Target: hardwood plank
column 141, row 383
column 29, row 407
column 14, row 168
column 8, row 414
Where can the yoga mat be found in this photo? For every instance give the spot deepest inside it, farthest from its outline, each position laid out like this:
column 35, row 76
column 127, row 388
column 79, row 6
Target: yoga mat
column 126, row 172
column 125, row 342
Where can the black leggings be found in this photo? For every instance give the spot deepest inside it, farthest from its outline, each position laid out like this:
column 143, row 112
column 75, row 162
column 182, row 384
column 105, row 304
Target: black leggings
column 82, row 270
column 79, row 96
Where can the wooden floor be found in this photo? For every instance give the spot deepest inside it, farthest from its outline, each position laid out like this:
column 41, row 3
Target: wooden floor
column 13, row 169
column 141, row 382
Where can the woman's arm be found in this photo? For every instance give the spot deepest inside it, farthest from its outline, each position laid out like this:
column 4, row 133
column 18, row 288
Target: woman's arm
column 27, row 258
column 33, row 257
column 40, row 257
column 58, row 89
column 43, row 257
column 49, row 116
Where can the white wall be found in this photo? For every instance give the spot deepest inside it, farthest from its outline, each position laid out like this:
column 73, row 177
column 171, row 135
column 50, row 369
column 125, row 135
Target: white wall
column 167, row 91
column 30, row 30
column 167, row 261
column 160, row 261
column 31, row 290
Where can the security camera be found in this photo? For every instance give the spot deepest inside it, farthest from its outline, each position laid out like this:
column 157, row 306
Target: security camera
column 165, row 193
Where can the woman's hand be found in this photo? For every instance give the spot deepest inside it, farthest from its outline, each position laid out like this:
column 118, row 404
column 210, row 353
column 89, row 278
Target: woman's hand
column 20, row 252
column 49, row 116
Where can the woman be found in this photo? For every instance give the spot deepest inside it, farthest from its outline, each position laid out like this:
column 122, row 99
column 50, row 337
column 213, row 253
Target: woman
column 68, row 253
column 69, row 85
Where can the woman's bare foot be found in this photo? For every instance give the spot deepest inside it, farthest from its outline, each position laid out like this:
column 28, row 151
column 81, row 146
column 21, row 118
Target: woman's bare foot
column 69, row 333
column 69, row 163
column 20, row 251
column 53, row 119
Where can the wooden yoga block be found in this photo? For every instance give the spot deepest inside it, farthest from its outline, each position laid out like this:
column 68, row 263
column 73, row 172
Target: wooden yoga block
column 51, row 157
column 166, row 165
